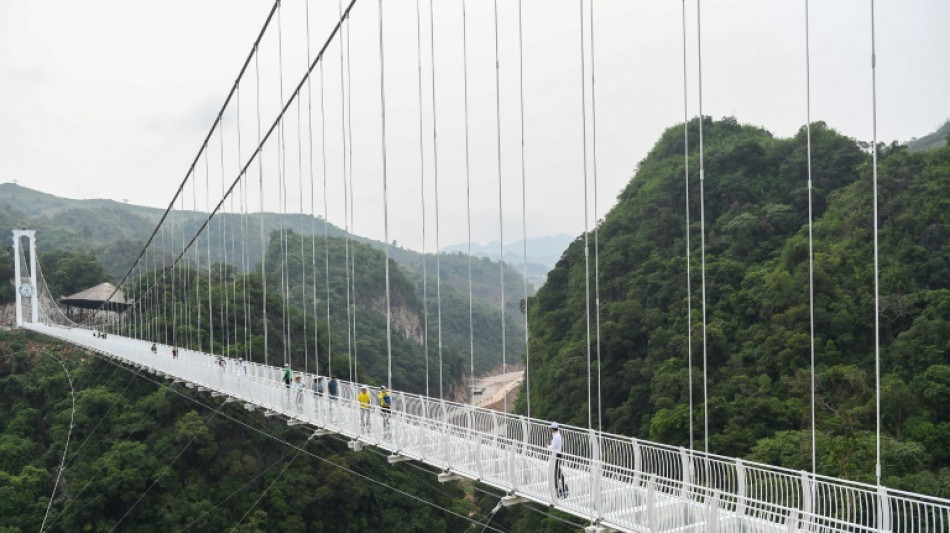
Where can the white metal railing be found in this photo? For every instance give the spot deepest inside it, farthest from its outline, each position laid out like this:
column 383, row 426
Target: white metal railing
column 619, row 482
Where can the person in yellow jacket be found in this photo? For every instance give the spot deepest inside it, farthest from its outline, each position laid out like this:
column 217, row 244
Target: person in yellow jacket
column 364, row 400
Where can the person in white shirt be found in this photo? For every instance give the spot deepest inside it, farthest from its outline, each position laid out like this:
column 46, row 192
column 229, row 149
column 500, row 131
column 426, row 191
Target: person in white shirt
column 241, row 369
column 298, row 391
column 556, row 446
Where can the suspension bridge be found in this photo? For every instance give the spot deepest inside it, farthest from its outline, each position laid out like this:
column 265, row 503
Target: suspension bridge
column 615, row 482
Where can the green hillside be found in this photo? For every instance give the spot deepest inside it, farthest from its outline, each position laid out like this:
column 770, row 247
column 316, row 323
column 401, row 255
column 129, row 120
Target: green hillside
column 113, row 232
column 146, row 458
column 757, row 291
column 932, row 140
column 176, row 312
column 116, row 232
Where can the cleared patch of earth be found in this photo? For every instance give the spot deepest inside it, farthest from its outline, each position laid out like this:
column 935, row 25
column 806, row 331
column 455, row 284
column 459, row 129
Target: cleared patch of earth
column 495, row 388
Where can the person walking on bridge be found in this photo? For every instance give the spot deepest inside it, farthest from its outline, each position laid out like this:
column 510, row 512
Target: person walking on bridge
column 385, row 406
column 557, row 444
column 333, row 388
column 288, row 375
column 298, row 391
column 364, row 400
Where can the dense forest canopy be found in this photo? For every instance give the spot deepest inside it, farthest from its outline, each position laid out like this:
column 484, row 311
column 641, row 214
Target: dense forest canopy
column 298, row 328
column 757, row 327
column 143, row 457
column 86, row 242
column 208, row 467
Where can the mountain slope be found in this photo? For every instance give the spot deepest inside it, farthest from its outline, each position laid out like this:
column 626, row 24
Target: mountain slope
column 145, row 458
column 115, row 232
column 757, row 305
column 932, row 140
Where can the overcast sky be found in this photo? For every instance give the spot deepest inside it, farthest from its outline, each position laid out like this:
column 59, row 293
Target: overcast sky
column 111, row 99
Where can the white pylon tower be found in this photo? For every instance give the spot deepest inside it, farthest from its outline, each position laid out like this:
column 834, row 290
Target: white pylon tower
column 25, row 288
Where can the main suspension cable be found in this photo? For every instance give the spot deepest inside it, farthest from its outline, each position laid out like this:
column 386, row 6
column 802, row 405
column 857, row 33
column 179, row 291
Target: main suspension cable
column 181, row 187
column 258, row 151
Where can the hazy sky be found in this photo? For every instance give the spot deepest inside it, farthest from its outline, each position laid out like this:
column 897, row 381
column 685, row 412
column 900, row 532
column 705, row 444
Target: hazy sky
column 111, row 99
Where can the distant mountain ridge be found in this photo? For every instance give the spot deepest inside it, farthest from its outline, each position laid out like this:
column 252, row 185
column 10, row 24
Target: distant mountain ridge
column 935, row 139
column 116, row 231
column 542, row 254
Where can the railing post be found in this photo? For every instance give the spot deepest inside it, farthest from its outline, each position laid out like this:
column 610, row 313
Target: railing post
column 791, row 523
column 807, row 487
column 444, row 433
column 652, row 522
column 884, row 510
column 494, row 443
column 394, row 415
column 637, row 461
column 475, row 436
column 425, row 423
column 740, row 490
column 712, row 512
column 512, row 458
column 687, row 466
column 525, row 440
column 596, row 472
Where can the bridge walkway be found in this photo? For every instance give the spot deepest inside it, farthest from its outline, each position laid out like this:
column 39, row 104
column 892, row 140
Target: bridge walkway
column 614, row 482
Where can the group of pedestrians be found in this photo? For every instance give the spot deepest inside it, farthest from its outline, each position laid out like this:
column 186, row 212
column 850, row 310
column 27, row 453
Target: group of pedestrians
column 154, row 349
column 385, row 400
column 317, row 387
column 330, row 389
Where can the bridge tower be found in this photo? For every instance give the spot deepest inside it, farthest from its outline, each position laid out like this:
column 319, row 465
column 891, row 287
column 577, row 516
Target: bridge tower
column 25, row 288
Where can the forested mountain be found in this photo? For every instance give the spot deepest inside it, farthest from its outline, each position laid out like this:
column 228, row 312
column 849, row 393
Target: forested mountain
column 542, row 254
column 85, row 242
column 756, row 207
column 116, row 231
column 935, row 139
column 297, row 328
column 147, row 458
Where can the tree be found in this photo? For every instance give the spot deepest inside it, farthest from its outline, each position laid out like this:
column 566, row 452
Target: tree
column 68, row 272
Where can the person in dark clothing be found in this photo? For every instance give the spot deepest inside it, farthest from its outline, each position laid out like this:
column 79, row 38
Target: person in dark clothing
column 556, row 446
column 333, row 388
